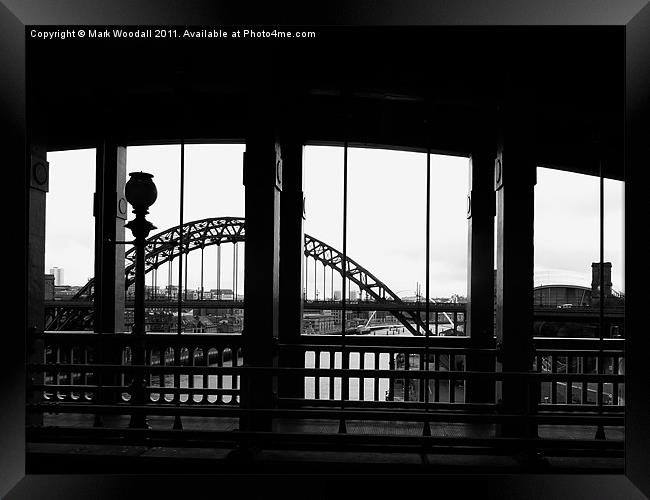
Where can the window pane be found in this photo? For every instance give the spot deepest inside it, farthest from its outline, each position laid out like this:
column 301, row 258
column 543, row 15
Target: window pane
column 567, row 250
column 70, row 226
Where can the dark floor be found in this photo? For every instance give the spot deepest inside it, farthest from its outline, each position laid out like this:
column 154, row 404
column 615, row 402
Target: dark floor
column 80, row 455
column 331, row 426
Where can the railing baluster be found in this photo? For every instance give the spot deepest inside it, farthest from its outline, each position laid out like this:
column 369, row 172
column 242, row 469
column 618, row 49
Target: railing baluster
column 330, row 378
column 71, row 376
column 554, row 362
column 376, row 379
column 178, row 378
column 452, row 382
column 600, row 369
column 391, row 381
column 234, row 379
column 317, row 355
column 615, row 369
column 220, row 354
column 422, row 380
column 151, row 378
column 191, row 352
column 206, row 377
column 407, row 381
column 86, row 374
column 585, row 393
column 464, row 381
column 58, row 374
column 436, row 382
column 170, row 377
column 569, row 383
column 362, row 381
column 161, row 376
column 539, row 362
column 162, row 361
column 147, row 376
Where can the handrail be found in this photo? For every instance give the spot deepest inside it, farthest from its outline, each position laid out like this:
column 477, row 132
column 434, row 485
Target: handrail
column 333, row 372
column 334, row 413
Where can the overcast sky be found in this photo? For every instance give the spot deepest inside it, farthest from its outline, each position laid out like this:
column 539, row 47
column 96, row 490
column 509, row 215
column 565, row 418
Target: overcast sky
column 386, row 214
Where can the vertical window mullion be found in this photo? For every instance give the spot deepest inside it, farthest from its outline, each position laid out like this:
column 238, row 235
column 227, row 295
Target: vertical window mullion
column 344, row 358
column 600, row 431
column 177, row 354
column 181, row 242
column 427, row 252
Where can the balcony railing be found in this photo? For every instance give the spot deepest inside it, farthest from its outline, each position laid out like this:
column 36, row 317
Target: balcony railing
column 387, row 382
column 399, row 382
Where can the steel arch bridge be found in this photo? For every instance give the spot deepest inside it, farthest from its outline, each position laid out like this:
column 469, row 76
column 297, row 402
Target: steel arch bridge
column 197, row 235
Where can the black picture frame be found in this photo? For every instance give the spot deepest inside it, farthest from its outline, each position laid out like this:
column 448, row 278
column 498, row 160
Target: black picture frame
column 634, row 14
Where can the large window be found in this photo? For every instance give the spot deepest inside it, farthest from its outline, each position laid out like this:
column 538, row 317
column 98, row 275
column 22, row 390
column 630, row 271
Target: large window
column 69, row 239
column 386, row 218
column 567, row 252
column 385, row 238
column 212, row 189
column 69, row 223
column 579, row 290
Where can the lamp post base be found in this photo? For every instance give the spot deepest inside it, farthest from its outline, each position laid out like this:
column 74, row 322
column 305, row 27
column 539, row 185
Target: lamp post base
column 139, row 422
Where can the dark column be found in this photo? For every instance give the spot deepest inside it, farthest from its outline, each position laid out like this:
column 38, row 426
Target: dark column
column 110, row 215
column 514, row 176
column 263, row 183
column 480, row 275
column 35, row 260
column 110, row 211
column 637, row 341
column 291, row 262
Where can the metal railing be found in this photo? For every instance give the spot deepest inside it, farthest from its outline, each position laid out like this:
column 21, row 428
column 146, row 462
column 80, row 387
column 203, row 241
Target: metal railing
column 385, row 372
column 67, row 349
column 573, row 384
column 572, row 358
column 208, row 386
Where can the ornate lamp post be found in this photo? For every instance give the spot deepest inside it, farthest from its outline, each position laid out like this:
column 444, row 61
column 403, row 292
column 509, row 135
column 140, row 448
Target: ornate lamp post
column 141, row 193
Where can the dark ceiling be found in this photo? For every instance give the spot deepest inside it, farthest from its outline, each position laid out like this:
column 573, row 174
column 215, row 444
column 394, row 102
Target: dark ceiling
column 389, row 87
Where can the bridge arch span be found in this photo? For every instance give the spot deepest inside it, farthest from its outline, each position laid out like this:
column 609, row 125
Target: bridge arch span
column 164, row 247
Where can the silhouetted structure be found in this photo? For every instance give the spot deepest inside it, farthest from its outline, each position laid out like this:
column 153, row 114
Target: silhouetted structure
column 492, row 95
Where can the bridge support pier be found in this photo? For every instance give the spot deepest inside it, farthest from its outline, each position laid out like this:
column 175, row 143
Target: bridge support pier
column 35, row 271
column 263, row 184
column 514, row 182
column 291, row 262
column 110, row 212
column 480, row 287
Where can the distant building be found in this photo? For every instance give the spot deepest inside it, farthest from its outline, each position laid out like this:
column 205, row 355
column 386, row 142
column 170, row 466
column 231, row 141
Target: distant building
column 337, row 294
column 561, row 295
column 150, row 292
column 65, row 292
column 58, row 275
column 207, row 324
column 49, row 287
column 564, row 296
column 220, row 294
column 315, row 323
